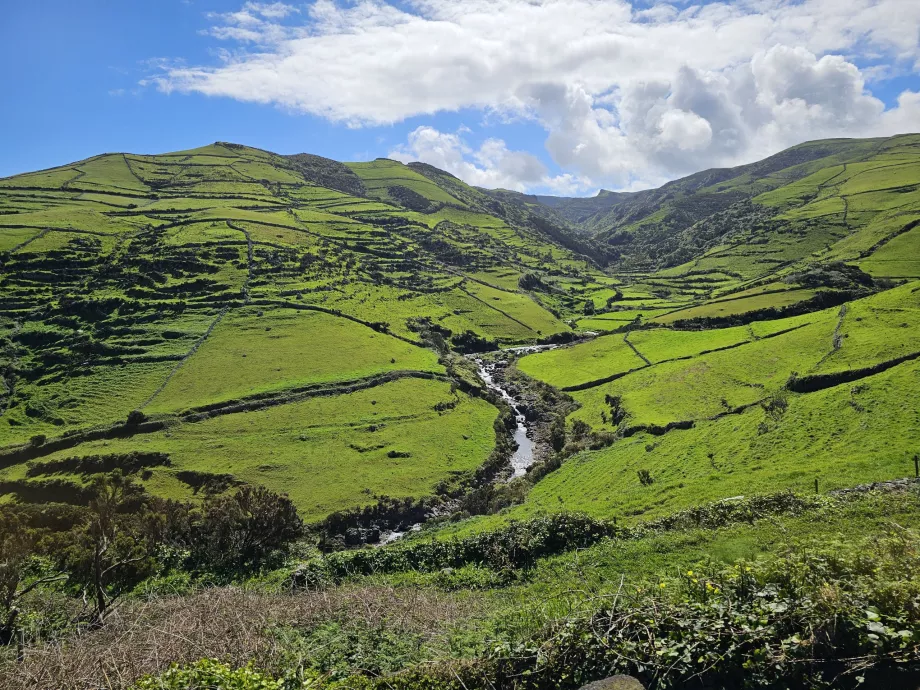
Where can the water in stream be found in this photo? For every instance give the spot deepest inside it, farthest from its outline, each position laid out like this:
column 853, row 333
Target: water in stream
column 523, row 456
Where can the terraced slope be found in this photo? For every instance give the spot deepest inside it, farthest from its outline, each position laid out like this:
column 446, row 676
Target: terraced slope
column 765, row 240
column 280, row 319
column 830, row 187
column 245, row 307
column 712, row 414
column 723, row 349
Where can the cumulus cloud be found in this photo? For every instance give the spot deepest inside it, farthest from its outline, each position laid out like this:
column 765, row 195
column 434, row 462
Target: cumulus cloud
column 491, row 165
column 629, row 96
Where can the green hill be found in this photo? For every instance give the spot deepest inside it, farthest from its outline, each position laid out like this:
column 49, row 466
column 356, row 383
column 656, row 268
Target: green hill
column 212, row 282
column 192, row 281
column 723, row 415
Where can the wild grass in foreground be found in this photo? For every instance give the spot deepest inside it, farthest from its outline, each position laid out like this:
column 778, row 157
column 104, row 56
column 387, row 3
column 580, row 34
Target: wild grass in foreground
column 794, row 596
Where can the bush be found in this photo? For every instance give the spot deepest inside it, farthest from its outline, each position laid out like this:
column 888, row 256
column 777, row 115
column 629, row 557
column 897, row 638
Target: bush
column 469, row 342
column 243, row 530
column 210, row 674
column 519, row 545
column 136, row 418
column 840, row 615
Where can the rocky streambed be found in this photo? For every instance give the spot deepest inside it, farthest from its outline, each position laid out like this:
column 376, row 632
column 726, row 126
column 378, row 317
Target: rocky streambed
column 491, row 371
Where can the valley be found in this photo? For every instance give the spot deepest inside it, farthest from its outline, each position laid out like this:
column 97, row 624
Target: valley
column 565, row 394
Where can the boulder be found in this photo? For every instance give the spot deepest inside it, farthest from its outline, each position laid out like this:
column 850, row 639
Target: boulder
column 615, row 683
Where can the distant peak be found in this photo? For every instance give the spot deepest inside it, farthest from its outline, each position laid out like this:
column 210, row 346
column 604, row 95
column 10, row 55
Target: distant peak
column 422, row 167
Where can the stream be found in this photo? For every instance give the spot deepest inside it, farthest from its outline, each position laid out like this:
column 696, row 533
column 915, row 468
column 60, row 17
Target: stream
column 523, row 456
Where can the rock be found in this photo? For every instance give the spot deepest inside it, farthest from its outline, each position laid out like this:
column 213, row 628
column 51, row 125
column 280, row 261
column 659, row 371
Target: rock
column 615, row 683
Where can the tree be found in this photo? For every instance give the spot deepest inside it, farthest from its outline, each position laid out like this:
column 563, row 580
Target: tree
column 242, row 530
column 17, row 549
column 113, row 550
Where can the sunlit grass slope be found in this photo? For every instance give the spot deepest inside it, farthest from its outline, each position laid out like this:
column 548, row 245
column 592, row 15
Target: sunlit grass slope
column 328, row 453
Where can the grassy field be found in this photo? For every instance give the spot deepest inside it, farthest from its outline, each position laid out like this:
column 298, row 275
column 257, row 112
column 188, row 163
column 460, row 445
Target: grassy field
column 571, row 366
column 253, row 351
column 234, row 317
column 840, row 436
column 198, row 278
column 328, row 453
column 206, row 276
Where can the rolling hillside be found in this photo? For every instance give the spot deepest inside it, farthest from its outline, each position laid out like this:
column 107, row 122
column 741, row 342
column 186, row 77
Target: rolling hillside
column 717, row 380
column 195, row 288
column 226, row 293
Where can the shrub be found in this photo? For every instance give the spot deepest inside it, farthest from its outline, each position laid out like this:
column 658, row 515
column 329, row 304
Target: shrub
column 519, row 545
column 840, row 615
column 243, row 530
column 776, row 405
column 210, row 674
column 469, row 342
column 530, row 281
column 136, row 417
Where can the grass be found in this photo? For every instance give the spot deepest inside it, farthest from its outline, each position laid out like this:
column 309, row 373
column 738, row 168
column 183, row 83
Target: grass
column 840, row 436
column 742, row 305
column 571, row 366
column 711, row 384
column 100, row 395
column 381, row 174
column 389, row 622
column 133, row 258
column 658, row 345
column 877, row 330
column 517, row 307
column 198, row 278
column 330, row 453
column 895, row 259
column 254, row 351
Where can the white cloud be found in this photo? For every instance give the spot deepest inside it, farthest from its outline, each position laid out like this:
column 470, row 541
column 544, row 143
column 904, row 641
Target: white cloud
column 255, row 22
column 492, row 165
column 271, row 10
column 628, row 96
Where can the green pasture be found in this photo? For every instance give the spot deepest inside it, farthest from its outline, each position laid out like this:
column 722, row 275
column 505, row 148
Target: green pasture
column 569, row 366
column 255, row 350
column 330, row 453
column 841, row 436
column 742, row 305
column 383, row 173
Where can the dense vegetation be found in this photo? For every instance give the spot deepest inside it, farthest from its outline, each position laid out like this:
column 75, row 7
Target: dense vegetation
column 224, row 370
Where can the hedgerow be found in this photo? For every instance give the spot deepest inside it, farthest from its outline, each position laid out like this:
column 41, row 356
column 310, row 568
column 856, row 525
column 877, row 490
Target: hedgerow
column 521, row 543
column 837, row 616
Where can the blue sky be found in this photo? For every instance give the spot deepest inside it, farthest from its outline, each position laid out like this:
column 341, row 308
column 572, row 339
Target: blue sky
column 538, row 95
